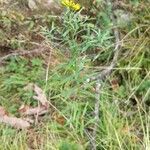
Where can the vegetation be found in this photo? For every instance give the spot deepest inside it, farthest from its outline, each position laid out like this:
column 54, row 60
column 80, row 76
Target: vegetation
column 80, row 45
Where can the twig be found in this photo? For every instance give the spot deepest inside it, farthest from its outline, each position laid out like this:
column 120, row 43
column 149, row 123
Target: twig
column 108, row 70
column 23, row 52
column 96, row 114
column 102, row 76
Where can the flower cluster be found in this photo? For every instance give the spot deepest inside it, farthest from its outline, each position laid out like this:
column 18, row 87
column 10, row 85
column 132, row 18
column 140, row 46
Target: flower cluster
column 71, row 4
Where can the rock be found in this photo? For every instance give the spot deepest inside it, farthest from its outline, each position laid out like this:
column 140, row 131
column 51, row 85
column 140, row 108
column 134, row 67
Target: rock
column 32, row 4
column 50, row 5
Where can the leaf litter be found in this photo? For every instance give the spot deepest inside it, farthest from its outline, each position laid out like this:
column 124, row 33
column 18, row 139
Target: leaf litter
column 15, row 122
column 26, row 111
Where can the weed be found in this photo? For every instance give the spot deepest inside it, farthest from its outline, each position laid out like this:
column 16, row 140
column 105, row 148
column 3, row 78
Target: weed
column 79, row 34
column 86, row 42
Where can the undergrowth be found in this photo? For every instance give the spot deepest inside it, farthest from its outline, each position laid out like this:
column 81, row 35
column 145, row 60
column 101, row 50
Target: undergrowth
column 86, row 44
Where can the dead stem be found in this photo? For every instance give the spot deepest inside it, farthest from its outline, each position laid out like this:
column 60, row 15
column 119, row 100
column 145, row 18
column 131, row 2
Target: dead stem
column 102, row 76
column 38, row 50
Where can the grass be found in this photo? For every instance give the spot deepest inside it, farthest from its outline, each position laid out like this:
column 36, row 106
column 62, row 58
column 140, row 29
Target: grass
column 82, row 44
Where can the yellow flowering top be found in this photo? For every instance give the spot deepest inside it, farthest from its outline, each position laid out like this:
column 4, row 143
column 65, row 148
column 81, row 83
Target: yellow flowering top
column 71, row 4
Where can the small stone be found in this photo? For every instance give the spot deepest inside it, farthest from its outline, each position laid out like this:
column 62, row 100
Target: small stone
column 32, row 4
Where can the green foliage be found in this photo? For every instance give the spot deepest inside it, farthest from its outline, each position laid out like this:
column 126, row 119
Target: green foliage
column 67, row 146
column 144, row 87
column 21, row 73
column 79, row 33
column 86, row 42
column 16, row 75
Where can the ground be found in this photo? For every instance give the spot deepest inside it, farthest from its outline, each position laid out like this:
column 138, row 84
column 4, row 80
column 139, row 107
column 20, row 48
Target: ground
column 60, row 53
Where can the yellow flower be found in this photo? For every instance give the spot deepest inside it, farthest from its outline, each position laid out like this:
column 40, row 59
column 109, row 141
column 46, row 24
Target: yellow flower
column 71, row 4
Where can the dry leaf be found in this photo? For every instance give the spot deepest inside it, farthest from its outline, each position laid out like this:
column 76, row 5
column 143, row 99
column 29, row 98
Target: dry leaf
column 13, row 121
column 26, row 110
column 114, row 84
column 58, row 118
column 41, row 97
column 23, row 108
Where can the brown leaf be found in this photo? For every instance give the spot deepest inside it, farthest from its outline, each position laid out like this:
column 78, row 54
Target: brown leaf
column 12, row 121
column 58, row 118
column 114, row 84
column 41, row 97
column 33, row 111
column 15, row 122
column 23, row 108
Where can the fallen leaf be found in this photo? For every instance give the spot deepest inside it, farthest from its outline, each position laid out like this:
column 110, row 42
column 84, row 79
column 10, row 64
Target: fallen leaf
column 41, row 97
column 58, row 118
column 15, row 122
column 28, row 111
column 114, row 84
column 23, row 108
